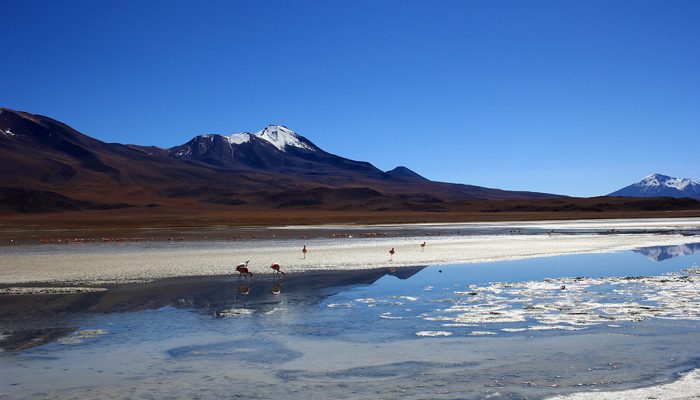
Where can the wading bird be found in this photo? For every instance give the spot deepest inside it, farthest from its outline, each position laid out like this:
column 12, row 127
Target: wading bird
column 243, row 270
column 304, row 251
column 422, row 246
column 391, row 254
column 277, row 269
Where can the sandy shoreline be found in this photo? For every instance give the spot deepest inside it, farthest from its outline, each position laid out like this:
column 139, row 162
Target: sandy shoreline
column 129, row 261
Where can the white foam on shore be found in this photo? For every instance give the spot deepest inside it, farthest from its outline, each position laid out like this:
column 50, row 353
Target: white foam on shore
column 161, row 260
column 685, row 388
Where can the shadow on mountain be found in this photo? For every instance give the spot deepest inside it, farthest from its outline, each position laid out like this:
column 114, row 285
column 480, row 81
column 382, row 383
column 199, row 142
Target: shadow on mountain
column 37, row 201
column 31, row 320
column 660, row 253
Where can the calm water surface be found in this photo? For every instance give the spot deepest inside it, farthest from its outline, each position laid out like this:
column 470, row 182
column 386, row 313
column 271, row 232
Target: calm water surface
column 516, row 329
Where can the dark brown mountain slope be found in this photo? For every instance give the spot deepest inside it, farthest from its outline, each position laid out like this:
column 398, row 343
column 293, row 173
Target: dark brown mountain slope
column 54, row 166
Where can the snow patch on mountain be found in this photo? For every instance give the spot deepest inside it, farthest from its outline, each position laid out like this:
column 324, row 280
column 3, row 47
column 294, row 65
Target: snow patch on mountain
column 655, row 181
column 681, row 184
column 281, row 137
column 205, row 142
column 277, row 135
column 238, row 138
column 184, row 153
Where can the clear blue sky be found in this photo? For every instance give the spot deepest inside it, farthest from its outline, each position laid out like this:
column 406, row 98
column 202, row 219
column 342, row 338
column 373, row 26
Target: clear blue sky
column 572, row 97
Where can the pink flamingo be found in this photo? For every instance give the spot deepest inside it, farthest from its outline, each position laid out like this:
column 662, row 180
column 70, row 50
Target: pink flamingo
column 243, row 270
column 276, row 267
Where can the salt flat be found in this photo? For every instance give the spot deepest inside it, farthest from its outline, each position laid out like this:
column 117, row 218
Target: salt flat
column 685, row 388
column 152, row 260
column 612, row 223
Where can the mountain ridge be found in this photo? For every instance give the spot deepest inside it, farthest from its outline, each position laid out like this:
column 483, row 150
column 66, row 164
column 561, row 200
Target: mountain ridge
column 656, row 185
column 240, row 170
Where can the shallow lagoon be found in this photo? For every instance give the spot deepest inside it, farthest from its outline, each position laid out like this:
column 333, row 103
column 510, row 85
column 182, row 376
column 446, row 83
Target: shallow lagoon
column 511, row 329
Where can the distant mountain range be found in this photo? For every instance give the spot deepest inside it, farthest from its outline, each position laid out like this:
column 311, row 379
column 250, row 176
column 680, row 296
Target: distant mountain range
column 658, row 185
column 48, row 166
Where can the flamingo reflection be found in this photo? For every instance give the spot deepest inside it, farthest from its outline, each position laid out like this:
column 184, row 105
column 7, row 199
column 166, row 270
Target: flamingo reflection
column 277, row 286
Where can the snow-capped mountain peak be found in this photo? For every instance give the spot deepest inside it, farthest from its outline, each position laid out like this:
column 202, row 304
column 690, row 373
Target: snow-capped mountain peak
column 658, row 180
column 270, row 145
column 281, row 137
column 662, row 185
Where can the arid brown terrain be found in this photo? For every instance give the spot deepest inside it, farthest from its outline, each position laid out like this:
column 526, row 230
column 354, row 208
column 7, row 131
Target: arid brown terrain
column 220, row 222
column 55, row 178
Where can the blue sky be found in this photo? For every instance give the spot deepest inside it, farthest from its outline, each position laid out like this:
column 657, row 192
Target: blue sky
column 571, row 97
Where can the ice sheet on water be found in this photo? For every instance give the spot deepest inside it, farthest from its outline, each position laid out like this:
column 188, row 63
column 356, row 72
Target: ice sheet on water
column 409, row 298
column 433, row 333
column 81, row 335
column 338, row 305
column 235, row 312
column 574, row 303
column 556, row 304
column 482, row 333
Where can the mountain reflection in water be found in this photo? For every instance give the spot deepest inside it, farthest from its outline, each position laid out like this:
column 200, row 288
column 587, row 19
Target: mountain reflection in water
column 660, row 253
column 30, row 320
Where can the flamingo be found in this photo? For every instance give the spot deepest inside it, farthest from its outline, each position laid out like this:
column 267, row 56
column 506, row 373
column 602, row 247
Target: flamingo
column 276, row 267
column 243, row 270
column 391, row 254
column 304, row 251
column 422, row 246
